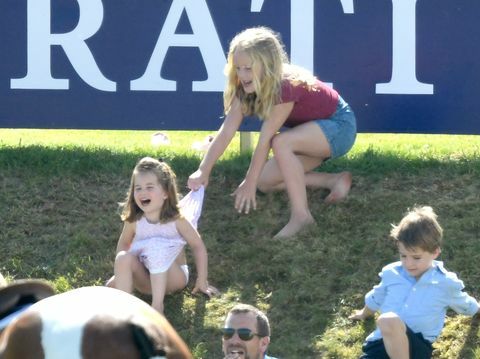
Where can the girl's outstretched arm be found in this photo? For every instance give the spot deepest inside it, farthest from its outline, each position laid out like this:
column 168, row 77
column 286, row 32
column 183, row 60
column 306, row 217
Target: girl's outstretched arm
column 245, row 193
column 192, row 237
column 220, row 142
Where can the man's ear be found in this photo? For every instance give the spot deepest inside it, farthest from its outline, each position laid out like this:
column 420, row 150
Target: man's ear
column 264, row 344
column 437, row 252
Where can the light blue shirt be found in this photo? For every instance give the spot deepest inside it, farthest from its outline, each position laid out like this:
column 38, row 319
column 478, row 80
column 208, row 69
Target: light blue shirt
column 422, row 304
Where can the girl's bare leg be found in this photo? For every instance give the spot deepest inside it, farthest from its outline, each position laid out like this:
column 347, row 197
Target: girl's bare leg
column 141, row 277
column 159, row 287
column 167, row 282
column 123, row 271
column 296, row 153
column 176, row 279
column 338, row 183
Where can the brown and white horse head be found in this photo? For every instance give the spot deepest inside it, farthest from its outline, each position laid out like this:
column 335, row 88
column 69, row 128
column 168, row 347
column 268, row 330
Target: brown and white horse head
column 91, row 322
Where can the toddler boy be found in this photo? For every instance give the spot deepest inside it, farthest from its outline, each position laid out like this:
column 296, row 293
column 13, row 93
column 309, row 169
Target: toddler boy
column 414, row 294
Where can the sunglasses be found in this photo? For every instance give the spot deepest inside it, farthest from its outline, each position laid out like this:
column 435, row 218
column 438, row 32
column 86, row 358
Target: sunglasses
column 244, row 334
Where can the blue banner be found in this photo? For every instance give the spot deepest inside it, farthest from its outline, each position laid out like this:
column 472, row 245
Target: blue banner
column 403, row 65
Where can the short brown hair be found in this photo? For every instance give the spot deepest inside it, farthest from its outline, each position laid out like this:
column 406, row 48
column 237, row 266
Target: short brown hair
column 263, row 326
column 419, row 229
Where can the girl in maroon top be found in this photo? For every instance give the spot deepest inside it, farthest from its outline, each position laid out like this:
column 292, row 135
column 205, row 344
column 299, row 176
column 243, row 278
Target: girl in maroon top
column 320, row 124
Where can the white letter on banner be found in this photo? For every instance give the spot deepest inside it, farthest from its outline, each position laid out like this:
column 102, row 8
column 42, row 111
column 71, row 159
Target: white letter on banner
column 40, row 39
column 404, row 78
column 256, row 5
column 204, row 37
column 302, row 31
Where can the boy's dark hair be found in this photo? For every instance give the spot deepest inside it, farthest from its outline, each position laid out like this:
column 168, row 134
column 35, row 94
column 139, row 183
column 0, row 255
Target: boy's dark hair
column 263, row 326
column 419, row 229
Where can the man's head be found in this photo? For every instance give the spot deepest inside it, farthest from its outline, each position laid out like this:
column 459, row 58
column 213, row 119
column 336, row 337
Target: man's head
column 418, row 237
column 246, row 333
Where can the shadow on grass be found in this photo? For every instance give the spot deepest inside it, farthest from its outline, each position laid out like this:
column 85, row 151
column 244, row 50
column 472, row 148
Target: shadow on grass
column 78, row 160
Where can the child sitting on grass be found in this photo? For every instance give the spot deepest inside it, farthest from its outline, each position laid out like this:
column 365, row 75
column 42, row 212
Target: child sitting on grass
column 150, row 250
column 414, row 293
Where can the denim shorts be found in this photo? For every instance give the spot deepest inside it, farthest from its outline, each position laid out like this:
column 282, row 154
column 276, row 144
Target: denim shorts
column 340, row 129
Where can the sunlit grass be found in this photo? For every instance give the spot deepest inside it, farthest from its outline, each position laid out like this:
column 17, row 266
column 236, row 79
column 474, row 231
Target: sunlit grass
column 114, row 140
column 443, row 146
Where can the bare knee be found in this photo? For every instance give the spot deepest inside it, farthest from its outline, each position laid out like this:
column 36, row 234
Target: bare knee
column 124, row 260
column 123, row 256
column 390, row 324
column 280, row 142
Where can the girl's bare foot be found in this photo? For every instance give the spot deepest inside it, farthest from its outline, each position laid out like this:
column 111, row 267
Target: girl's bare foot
column 341, row 188
column 294, row 226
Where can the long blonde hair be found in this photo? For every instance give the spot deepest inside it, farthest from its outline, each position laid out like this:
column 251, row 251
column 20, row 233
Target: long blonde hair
column 267, row 53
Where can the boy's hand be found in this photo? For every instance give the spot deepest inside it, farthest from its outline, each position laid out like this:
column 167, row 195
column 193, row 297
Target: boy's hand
column 362, row 314
column 357, row 315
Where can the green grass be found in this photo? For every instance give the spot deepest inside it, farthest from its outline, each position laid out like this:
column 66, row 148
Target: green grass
column 59, row 221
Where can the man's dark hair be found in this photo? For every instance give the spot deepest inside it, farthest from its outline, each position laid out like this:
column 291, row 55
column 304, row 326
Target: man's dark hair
column 263, row 326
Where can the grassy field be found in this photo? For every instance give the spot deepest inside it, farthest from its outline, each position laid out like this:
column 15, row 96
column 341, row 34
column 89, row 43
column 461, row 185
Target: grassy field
column 59, row 221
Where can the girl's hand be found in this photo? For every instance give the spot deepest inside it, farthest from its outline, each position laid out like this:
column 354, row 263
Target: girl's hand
column 205, row 288
column 245, row 197
column 197, row 179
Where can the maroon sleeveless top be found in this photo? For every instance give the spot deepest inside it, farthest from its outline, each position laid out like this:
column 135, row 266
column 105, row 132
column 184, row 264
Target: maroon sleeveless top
column 319, row 102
